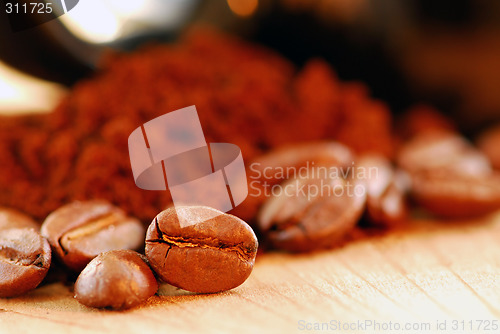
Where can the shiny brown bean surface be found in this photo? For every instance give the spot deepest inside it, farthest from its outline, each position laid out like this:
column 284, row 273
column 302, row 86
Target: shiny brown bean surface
column 204, row 251
column 25, row 258
column 14, row 219
column 272, row 168
column 312, row 213
column 80, row 231
column 118, row 279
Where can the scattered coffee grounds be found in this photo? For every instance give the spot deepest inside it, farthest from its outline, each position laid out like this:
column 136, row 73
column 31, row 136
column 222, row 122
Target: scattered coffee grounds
column 245, row 94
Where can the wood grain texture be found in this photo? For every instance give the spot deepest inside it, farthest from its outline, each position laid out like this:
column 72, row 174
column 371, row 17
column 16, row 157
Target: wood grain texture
column 431, row 271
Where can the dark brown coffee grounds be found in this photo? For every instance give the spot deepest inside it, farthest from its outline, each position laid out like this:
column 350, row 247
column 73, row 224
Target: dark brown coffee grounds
column 245, row 94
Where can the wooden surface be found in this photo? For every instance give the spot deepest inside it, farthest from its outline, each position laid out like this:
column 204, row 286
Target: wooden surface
column 445, row 271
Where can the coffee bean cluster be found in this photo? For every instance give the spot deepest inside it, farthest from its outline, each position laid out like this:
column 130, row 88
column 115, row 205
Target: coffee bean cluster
column 202, row 250
column 320, row 203
column 207, row 251
column 436, row 169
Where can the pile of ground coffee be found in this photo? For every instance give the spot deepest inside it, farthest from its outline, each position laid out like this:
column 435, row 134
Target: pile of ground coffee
column 245, row 94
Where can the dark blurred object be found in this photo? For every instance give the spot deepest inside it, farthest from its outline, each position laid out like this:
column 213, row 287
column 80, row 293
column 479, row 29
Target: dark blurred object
column 440, row 52
column 449, row 55
column 34, row 52
column 69, row 47
column 339, row 31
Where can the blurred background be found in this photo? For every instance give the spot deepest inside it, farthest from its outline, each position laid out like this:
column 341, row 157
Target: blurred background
column 445, row 53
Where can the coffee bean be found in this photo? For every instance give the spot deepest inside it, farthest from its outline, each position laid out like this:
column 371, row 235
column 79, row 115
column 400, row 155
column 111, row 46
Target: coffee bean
column 312, row 212
column 385, row 204
column 118, row 279
column 457, row 196
column 438, row 151
column 488, row 143
column 449, row 177
column 296, row 156
column 200, row 249
column 80, row 231
column 271, row 168
column 390, row 209
column 24, row 261
column 13, row 219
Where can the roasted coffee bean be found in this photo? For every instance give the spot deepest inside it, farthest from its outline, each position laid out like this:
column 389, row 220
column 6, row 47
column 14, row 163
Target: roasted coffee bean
column 449, row 177
column 201, row 249
column 118, row 279
column 457, row 196
column 386, row 188
column 489, row 143
column 312, row 212
column 390, row 209
column 276, row 166
column 13, row 219
column 438, row 151
column 80, row 231
column 24, row 260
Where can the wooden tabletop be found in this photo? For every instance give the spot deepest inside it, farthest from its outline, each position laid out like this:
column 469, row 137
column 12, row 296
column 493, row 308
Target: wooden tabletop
column 432, row 272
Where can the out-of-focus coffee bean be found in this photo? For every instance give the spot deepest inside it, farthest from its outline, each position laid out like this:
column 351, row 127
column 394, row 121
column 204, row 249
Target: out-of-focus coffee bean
column 80, row 231
column 438, row 151
column 273, row 167
column 489, row 144
column 201, row 249
column 25, row 258
column 312, row 212
column 457, row 196
column 298, row 156
column 10, row 218
column 385, row 203
column 118, row 279
column 449, row 177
